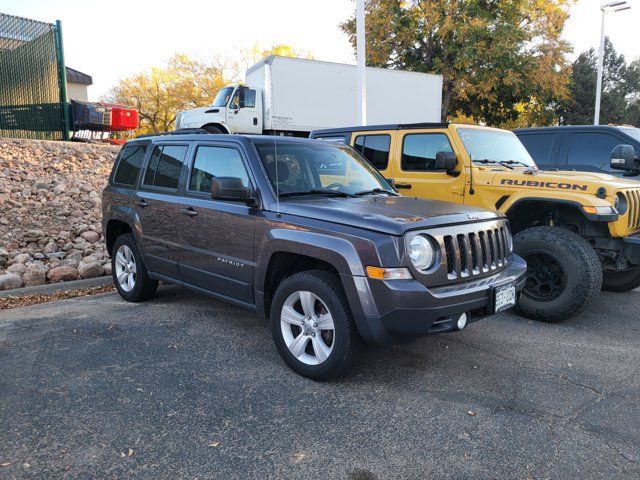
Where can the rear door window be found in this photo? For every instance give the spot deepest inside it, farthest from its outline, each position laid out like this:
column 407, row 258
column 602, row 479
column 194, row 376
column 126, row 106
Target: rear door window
column 129, row 162
column 540, row 146
column 591, row 151
column 165, row 166
column 419, row 151
column 374, row 148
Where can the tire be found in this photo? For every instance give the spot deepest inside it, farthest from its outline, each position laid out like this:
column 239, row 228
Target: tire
column 564, row 274
column 621, row 281
column 126, row 262
column 325, row 292
column 211, row 129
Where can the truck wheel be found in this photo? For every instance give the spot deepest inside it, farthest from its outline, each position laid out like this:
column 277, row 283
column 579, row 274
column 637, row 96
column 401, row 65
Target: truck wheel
column 621, row 281
column 211, row 129
column 311, row 324
column 128, row 270
column 564, row 274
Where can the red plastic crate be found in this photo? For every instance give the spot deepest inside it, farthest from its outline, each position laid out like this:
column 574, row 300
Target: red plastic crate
column 123, row 118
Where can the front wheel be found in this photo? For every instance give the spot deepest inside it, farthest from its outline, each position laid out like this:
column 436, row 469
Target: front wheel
column 621, row 281
column 564, row 274
column 311, row 324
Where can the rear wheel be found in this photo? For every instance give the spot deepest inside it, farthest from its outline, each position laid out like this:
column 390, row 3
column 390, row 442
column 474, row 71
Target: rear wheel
column 564, row 275
column 311, row 324
column 621, row 281
column 129, row 273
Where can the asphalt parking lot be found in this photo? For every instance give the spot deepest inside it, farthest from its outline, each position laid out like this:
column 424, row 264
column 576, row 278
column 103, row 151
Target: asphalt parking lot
column 188, row 387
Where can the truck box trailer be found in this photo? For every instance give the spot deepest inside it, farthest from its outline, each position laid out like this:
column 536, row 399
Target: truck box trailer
column 293, row 96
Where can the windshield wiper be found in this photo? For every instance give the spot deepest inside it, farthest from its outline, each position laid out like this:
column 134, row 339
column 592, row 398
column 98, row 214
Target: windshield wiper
column 318, row 191
column 514, row 162
column 488, row 160
column 376, row 190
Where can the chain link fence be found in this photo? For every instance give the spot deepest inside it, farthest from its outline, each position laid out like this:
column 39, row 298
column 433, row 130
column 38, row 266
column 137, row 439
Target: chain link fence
column 32, row 82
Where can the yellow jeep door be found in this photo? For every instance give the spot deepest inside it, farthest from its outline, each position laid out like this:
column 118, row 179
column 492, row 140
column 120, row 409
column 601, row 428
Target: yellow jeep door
column 414, row 171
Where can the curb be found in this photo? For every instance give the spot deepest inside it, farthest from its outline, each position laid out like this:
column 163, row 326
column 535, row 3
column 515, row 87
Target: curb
column 57, row 287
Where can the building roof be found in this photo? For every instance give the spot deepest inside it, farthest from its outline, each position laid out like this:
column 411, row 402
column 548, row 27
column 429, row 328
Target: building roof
column 74, row 76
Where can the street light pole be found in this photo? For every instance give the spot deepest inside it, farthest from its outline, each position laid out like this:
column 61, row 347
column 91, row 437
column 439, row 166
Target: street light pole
column 361, row 59
column 616, row 6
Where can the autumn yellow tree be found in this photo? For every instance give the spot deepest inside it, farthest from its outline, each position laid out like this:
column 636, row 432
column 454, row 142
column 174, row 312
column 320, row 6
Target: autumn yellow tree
column 162, row 92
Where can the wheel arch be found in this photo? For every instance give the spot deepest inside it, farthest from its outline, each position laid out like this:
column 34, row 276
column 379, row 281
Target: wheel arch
column 529, row 212
column 219, row 126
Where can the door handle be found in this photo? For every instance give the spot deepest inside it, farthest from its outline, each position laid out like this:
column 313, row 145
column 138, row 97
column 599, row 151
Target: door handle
column 142, row 203
column 403, row 185
column 188, row 211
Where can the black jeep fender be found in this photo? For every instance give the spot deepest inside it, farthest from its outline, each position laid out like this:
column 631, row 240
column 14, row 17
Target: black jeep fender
column 338, row 252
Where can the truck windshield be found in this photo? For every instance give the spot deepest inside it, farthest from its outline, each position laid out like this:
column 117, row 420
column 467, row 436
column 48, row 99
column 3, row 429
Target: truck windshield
column 316, row 168
column 222, row 97
column 495, row 146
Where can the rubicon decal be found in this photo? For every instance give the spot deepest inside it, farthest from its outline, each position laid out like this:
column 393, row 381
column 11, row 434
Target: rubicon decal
column 535, row 183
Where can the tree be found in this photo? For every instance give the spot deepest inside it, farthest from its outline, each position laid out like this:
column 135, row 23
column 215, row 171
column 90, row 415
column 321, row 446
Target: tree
column 620, row 89
column 161, row 93
column 495, row 56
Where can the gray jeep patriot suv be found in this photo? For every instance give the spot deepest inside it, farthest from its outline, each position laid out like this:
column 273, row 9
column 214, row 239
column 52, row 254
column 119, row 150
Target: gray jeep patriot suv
column 306, row 234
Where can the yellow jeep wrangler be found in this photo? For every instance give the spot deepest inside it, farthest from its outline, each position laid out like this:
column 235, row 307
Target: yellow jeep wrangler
column 579, row 232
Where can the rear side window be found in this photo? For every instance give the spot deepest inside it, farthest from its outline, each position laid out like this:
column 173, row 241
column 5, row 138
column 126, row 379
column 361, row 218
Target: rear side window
column 129, row 162
column 591, row 151
column 374, row 148
column 419, row 151
column 165, row 166
column 216, row 162
column 539, row 146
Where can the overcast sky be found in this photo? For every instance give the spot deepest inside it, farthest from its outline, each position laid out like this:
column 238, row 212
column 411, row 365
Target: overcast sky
column 113, row 39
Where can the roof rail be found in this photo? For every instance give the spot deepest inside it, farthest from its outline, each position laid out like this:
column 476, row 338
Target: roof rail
column 180, row 131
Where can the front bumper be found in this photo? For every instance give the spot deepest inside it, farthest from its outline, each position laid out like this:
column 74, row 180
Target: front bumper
column 632, row 248
column 402, row 310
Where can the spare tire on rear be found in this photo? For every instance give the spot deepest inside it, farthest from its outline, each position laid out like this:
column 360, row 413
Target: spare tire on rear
column 564, row 274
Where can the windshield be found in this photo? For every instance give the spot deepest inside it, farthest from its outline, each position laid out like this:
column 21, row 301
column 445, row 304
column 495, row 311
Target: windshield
column 222, row 97
column 632, row 132
column 315, row 167
column 495, row 145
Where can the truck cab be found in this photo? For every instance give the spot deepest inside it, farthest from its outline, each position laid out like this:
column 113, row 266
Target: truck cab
column 578, row 231
column 236, row 109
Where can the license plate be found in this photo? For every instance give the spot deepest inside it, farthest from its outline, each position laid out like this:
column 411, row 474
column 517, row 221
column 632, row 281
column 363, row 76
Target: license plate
column 505, row 297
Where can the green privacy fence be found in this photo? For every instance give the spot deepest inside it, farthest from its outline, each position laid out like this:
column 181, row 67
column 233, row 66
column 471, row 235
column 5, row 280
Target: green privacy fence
column 33, row 101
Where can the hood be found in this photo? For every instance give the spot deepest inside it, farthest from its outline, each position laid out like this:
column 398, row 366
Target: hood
column 581, row 182
column 381, row 213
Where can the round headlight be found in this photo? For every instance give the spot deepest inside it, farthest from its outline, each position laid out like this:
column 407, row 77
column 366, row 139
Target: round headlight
column 620, row 203
column 421, row 252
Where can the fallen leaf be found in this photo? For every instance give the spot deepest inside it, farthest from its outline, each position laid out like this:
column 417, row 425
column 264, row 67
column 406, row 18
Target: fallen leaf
column 26, row 465
column 129, row 453
column 213, row 444
column 471, row 413
column 297, row 457
column 5, row 464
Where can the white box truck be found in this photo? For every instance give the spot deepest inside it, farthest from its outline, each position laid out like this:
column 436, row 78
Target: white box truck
column 293, row 96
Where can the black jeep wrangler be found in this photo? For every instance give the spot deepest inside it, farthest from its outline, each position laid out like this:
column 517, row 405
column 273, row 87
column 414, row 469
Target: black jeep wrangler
column 307, row 234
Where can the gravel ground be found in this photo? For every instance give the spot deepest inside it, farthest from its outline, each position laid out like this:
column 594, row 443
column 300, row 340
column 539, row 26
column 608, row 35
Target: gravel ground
column 184, row 386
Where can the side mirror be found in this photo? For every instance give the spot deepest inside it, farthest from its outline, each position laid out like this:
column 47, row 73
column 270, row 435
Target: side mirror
column 229, row 188
column 446, row 161
column 623, row 157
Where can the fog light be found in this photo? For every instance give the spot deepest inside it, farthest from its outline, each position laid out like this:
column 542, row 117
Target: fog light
column 462, row 321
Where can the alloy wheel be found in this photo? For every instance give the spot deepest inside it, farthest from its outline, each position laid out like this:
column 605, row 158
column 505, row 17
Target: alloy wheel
column 125, row 268
column 307, row 327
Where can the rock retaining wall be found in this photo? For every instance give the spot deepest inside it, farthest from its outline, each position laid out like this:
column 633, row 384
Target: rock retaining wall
column 50, row 211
